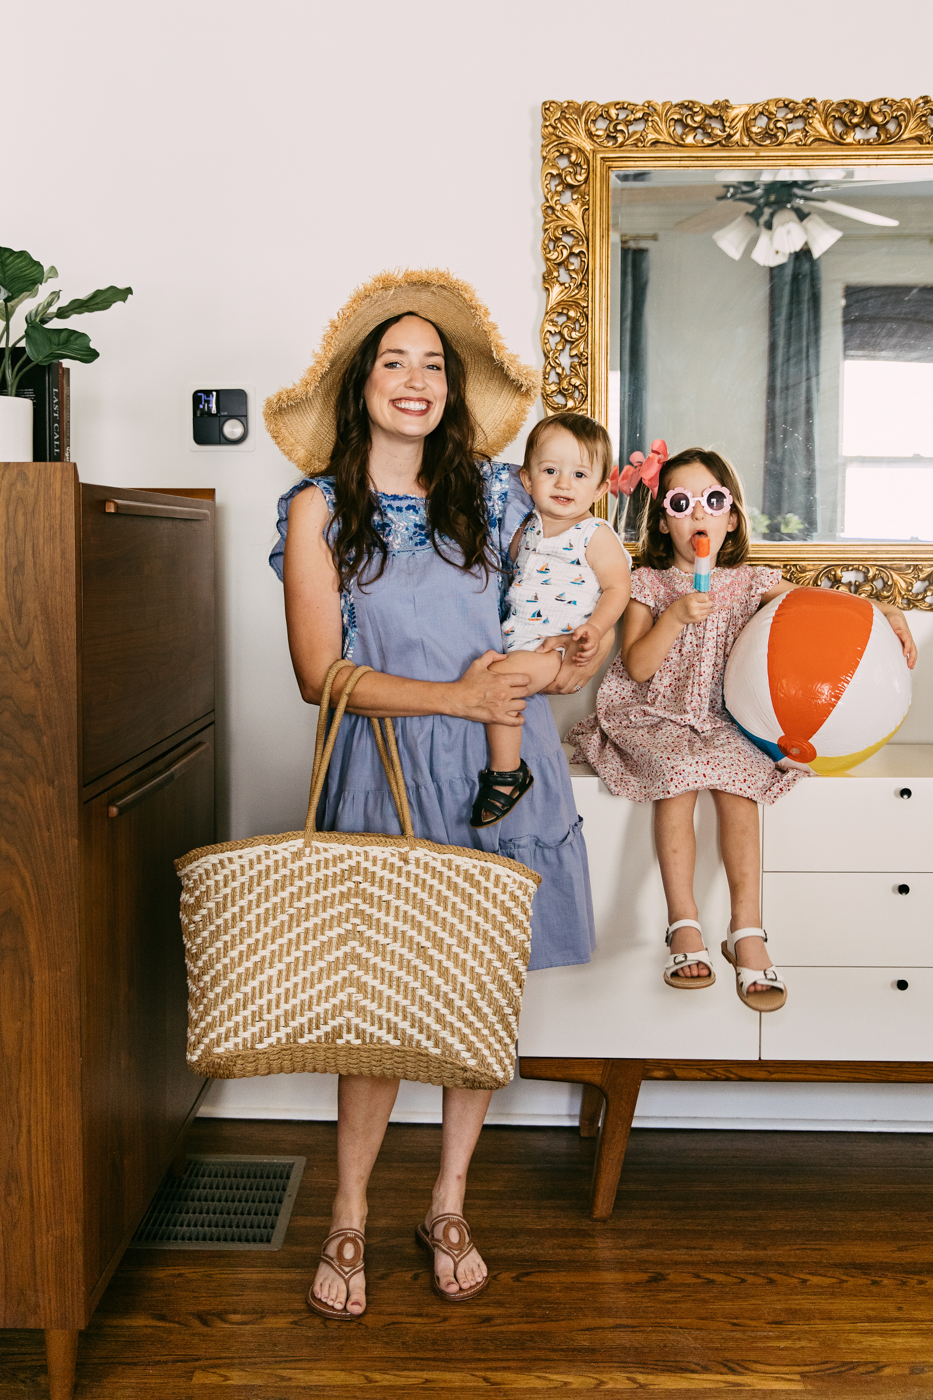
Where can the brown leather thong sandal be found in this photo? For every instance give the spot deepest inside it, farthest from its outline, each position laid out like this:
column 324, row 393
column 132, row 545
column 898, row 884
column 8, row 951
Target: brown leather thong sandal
column 455, row 1251
column 344, row 1264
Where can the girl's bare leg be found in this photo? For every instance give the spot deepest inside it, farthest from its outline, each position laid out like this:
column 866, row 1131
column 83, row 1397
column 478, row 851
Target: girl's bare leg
column 464, row 1113
column 741, row 855
column 363, row 1108
column 676, row 844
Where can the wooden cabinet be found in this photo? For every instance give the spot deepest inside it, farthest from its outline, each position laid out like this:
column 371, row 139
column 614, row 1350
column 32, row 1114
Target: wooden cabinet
column 106, row 775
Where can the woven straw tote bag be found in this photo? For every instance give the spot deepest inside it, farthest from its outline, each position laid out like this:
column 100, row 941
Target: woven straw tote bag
column 347, row 953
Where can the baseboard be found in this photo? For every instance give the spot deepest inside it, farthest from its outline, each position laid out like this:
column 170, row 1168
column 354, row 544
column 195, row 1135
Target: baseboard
column 551, row 1120
column 778, row 1107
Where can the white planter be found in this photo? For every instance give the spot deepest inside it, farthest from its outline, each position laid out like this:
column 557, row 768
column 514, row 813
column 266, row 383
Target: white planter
column 15, row 429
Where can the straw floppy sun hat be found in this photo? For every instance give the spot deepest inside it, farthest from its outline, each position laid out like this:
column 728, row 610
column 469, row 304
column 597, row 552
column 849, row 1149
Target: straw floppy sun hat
column 499, row 388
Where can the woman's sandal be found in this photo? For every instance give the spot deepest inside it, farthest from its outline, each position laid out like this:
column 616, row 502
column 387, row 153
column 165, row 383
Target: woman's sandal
column 499, row 804
column 776, row 995
column 672, row 968
column 456, row 1252
column 342, row 1265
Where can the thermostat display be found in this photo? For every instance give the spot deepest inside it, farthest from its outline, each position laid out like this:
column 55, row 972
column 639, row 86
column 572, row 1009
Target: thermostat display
column 219, row 416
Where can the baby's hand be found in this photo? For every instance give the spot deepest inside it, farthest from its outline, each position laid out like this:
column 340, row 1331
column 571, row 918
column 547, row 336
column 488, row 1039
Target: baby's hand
column 691, row 608
column 588, row 639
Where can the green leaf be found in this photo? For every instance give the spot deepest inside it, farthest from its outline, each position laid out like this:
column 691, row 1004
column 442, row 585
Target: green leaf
column 790, row 524
column 18, row 272
column 11, row 306
column 38, row 313
column 50, row 272
column 97, row 301
column 43, row 346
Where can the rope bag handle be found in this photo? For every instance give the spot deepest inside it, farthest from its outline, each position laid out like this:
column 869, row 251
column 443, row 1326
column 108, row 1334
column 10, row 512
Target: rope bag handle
column 324, row 748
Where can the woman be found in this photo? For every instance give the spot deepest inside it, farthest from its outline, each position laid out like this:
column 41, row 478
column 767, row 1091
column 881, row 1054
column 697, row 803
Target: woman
column 395, row 561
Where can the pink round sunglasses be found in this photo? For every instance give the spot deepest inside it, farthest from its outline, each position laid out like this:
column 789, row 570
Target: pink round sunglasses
column 715, row 500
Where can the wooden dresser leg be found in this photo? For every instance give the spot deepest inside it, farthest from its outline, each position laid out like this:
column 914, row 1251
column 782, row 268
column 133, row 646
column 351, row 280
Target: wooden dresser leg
column 591, row 1108
column 620, row 1084
column 61, row 1354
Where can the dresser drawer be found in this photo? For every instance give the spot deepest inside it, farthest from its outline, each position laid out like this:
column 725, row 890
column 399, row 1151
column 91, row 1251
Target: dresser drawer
column 147, row 575
column 852, row 1013
column 851, row 824
column 866, row 920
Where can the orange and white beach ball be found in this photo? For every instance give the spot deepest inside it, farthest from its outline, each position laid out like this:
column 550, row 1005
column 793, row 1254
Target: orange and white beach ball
column 818, row 677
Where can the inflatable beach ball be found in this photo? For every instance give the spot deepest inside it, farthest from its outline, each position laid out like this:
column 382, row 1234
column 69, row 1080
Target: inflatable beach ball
column 819, row 677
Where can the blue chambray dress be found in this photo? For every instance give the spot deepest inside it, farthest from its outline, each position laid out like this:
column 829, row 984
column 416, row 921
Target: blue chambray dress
column 427, row 620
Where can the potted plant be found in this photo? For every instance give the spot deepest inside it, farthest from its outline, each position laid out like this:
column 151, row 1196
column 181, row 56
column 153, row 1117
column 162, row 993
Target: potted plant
column 21, row 280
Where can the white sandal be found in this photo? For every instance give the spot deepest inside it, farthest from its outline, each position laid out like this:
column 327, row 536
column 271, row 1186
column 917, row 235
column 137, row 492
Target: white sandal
column 677, row 961
column 776, row 995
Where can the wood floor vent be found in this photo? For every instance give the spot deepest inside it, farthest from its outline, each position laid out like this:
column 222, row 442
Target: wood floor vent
column 223, row 1203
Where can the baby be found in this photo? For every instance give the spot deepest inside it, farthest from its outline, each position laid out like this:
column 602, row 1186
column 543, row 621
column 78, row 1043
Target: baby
column 571, row 580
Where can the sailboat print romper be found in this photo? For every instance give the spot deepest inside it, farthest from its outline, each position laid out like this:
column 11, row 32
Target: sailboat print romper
column 554, row 590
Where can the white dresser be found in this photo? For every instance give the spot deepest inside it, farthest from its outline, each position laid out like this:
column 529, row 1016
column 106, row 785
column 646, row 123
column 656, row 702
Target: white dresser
column 847, row 899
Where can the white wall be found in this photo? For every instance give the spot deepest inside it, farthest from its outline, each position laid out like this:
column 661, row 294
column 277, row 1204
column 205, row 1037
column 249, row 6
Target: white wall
column 244, row 165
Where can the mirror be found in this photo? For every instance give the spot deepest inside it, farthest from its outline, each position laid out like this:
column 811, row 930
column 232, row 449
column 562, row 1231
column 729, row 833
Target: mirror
column 785, row 318
column 758, row 280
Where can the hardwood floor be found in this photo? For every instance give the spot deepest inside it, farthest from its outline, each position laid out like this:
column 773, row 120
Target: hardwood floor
column 736, row 1264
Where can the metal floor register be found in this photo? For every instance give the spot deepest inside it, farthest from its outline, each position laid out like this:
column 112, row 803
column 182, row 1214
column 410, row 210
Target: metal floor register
column 223, row 1203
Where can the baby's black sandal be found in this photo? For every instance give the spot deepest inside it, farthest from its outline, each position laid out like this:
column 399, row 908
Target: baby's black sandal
column 491, row 805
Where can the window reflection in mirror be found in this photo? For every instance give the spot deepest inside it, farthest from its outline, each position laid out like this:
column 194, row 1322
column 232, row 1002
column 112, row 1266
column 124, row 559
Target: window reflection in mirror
column 783, row 317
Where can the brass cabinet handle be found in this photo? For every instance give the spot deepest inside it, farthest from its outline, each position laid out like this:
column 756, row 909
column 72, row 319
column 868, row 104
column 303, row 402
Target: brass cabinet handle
column 132, row 799
column 118, row 507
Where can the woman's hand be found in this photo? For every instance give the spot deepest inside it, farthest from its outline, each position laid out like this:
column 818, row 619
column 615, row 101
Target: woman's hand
column 571, row 677
column 490, row 697
column 690, row 607
column 899, row 623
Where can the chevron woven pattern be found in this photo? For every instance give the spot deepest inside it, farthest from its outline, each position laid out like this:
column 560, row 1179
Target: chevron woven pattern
column 355, row 954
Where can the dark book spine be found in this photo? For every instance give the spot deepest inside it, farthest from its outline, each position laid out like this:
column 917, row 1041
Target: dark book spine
column 55, row 412
column 66, row 414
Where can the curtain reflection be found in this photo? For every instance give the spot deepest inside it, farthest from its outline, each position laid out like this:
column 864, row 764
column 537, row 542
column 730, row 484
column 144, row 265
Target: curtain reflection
column 794, row 330
column 633, row 368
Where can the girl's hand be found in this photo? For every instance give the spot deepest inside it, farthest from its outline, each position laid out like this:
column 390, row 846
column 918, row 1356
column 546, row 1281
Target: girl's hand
column 490, row 697
column 690, row 608
column 899, row 623
column 587, row 637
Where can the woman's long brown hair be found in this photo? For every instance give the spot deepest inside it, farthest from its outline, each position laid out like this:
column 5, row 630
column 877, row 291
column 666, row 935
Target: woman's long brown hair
column 450, row 475
column 656, row 549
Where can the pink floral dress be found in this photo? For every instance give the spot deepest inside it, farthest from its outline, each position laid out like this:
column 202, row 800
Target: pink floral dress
column 672, row 733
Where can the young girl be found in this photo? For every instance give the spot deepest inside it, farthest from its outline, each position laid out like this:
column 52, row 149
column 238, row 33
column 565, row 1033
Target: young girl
column 660, row 732
column 571, row 583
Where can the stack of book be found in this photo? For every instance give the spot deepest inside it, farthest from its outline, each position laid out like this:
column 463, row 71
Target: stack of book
column 49, row 388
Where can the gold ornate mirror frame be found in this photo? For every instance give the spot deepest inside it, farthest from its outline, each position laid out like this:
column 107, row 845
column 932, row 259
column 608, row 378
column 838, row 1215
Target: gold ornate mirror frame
column 583, row 142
